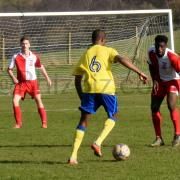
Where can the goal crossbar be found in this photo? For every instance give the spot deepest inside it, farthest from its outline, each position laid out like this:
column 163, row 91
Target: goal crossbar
column 87, row 13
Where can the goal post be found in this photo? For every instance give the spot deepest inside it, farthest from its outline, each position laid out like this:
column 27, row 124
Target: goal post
column 61, row 37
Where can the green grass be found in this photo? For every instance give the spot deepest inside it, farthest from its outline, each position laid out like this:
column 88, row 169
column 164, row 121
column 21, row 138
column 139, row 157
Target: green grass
column 177, row 41
column 35, row 153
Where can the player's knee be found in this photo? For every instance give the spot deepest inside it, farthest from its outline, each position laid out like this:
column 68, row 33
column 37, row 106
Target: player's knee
column 15, row 101
column 154, row 109
column 39, row 102
column 171, row 107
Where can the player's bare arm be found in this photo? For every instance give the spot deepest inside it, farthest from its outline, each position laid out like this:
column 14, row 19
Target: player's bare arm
column 78, row 86
column 155, row 86
column 127, row 63
column 155, row 82
column 10, row 72
column 44, row 72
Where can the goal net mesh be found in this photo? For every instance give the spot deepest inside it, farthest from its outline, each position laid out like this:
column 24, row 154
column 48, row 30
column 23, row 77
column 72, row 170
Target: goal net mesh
column 60, row 41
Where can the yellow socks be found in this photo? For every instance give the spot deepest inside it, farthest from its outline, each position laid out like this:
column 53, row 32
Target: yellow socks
column 77, row 142
column 108, row 126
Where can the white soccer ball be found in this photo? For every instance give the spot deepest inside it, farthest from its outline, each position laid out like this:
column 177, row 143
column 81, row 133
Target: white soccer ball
column 121, row 152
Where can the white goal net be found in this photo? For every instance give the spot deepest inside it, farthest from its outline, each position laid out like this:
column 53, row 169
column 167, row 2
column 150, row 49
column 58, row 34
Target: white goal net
column 61, row 38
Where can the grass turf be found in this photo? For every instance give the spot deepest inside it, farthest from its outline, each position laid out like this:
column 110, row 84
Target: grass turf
column 35, row 153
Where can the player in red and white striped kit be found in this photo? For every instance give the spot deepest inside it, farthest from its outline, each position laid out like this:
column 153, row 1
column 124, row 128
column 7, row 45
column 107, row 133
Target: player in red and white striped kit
column 164, row 66
column 26, row 81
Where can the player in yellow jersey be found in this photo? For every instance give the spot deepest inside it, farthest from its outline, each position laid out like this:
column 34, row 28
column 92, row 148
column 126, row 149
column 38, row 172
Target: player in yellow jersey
column 98, row 89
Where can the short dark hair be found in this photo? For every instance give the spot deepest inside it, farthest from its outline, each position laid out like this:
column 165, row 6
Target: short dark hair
column 25, row 37
column 97, row 34
column 161, row 38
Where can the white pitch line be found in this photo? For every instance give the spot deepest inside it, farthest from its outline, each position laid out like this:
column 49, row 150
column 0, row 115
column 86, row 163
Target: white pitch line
column 76, row 109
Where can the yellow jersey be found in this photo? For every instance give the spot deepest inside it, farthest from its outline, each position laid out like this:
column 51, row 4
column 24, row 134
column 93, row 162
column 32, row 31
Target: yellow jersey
column 95, row 66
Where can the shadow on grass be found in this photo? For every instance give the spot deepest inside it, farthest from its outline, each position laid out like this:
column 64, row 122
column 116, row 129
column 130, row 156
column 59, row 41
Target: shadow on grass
column 54, row 162
column 155, row 147
column 104, row 160
column 43, row 145
column 35, row 146
column 30, row 162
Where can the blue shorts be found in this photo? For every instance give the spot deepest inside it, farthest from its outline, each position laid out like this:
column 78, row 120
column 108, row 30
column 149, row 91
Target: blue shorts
column 92, row 101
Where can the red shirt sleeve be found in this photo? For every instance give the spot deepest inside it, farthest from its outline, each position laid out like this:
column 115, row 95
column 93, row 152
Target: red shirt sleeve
column 175, row 61
column 38, row 62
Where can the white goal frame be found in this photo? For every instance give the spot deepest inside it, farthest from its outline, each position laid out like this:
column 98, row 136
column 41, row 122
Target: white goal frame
column 124, row 12
column 66, row 83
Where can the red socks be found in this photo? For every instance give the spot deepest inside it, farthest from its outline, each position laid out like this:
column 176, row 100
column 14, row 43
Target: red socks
column 17, row 115
column 42, row 113
column 175, row 117
column 156, row 117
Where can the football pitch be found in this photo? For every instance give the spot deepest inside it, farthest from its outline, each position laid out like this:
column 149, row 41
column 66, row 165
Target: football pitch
column 36, row 153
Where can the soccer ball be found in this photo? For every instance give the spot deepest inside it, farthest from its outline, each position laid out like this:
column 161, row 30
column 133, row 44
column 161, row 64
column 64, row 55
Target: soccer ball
column 121, row 152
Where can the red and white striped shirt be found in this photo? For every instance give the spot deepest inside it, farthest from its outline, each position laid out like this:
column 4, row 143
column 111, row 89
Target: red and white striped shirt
column 167, row 67
column 25, row 66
